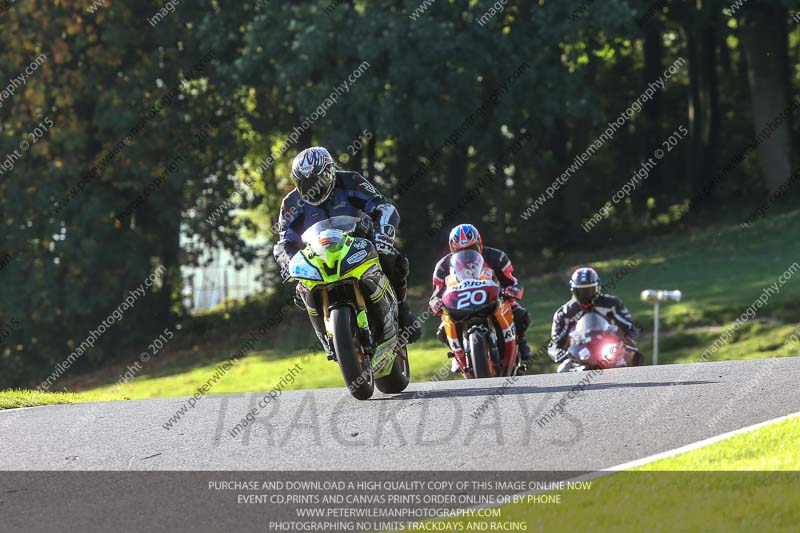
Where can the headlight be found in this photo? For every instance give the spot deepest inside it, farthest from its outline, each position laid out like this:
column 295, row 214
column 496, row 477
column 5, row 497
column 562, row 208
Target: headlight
column 609, row 351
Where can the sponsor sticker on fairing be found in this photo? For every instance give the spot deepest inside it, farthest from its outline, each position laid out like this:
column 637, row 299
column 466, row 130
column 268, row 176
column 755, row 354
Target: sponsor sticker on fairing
column 356, row 257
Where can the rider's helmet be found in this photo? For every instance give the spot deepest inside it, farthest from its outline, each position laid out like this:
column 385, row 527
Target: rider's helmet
column 314, row 174
column 585, row 286
column 465, row 237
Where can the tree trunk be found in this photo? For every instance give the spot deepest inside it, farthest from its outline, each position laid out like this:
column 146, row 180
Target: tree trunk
column 653, row 68
column 700, row 26
column 695, row 117
column 764, row 38
column 710, row 134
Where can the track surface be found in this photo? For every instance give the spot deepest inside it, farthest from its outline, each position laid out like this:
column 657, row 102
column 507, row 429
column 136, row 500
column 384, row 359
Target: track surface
column 620, row 416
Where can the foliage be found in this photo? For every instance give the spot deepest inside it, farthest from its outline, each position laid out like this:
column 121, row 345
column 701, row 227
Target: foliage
column 219, row 86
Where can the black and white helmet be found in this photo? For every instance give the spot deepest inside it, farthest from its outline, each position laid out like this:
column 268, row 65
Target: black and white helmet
column 585, row 286
column 314, row 174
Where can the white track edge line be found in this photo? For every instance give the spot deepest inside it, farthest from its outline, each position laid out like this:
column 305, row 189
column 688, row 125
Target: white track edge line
column 699, row 444
column 652, row 458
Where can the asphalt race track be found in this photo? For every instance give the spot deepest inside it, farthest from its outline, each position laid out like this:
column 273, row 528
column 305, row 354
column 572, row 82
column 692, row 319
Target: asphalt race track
column 576, row 422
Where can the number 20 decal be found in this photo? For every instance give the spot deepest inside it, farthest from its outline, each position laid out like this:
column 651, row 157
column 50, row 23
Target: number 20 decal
column 473, row 297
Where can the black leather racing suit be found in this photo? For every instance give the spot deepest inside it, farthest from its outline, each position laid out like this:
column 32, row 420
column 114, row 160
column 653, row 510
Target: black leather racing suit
column 567, row 316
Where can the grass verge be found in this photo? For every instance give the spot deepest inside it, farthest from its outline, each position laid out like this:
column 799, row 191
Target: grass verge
column 12, row 399
column 749, row 482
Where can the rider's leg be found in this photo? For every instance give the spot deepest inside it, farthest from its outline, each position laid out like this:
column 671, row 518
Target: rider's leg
column 316, row 317
column 396, row 268
column 442, row 335
column 633, row 356
column 522, row 320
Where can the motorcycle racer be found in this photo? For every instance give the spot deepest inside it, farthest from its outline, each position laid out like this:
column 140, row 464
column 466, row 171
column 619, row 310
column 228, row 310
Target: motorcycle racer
column 466, row 237
column 322, row 192
column 587, row 298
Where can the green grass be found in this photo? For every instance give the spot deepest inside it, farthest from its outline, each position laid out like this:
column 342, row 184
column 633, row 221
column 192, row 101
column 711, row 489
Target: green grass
column 12, row 399
column 720, row 270
column 749, row 482
column 773, row 447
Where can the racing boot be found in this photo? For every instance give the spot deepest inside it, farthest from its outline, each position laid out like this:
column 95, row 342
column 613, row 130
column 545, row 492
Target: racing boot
column 565, row 366
column 633, row 356
column 410, row 327
column 525, row 352
column 454, row 367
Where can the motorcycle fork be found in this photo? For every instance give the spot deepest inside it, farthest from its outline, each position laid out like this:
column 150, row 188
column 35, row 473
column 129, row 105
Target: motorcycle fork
column 362, row 325
column 364, row 334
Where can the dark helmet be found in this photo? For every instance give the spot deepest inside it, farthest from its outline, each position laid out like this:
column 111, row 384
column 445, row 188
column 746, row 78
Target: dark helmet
column 314, row 174
column 465, row 237
column 585, row 286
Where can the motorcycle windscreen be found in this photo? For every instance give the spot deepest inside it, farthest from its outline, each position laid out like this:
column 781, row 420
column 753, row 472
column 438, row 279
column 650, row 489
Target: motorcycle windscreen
column 591, row 322
column 466, row 264
column 343, row 223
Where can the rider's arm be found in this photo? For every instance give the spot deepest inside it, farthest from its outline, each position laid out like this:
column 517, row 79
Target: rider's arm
column 500, row 263
column 558, row 336
column 289, row 241
column 623, row 317
column 439, row 273
column 366, row 197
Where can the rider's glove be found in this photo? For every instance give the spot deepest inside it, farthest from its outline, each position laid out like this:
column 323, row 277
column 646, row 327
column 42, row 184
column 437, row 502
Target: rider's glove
column 384, row 240
column 365, row 227
column 514, row 292
column 560, row 356
column 435, row 305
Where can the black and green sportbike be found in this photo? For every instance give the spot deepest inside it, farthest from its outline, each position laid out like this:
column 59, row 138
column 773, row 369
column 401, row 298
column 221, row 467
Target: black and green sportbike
column 344, row 275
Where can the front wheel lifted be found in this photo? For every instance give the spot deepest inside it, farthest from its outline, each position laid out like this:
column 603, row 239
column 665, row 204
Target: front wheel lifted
column 355, row 366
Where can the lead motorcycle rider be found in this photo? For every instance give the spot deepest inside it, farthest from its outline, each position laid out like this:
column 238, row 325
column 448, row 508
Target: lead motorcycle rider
column 322, row 192
column 466, row 237
column 587, row 298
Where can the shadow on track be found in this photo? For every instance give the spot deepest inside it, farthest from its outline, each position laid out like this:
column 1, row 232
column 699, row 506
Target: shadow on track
column 489, row 391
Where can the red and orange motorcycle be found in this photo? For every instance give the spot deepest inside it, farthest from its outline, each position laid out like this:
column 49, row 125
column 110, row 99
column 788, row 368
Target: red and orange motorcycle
column 477, row 319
